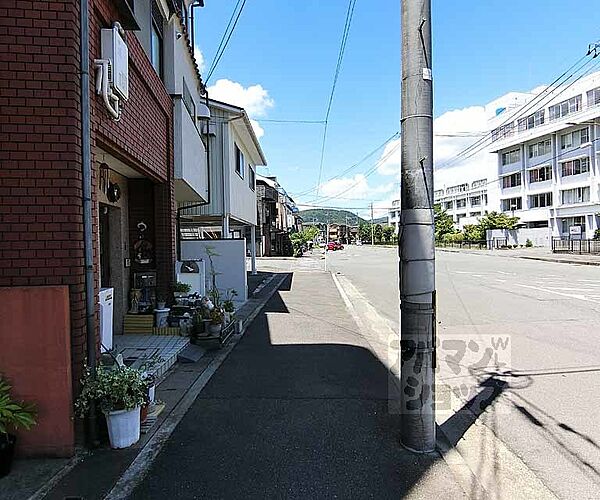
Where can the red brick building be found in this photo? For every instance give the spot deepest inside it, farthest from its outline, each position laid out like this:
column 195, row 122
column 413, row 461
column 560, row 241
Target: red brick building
column 133, row 160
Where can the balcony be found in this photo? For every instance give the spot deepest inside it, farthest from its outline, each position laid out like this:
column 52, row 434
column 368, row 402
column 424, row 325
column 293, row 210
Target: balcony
column 191, row 172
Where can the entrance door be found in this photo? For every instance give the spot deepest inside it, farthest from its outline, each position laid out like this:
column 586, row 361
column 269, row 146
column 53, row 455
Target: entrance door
column 104, row 230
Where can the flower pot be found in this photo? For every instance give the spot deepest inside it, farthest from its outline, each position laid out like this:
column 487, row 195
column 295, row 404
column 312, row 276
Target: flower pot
column 214, row 329
column 151, row 392
column 7, row 453
column 123, row 427
column 143, row 413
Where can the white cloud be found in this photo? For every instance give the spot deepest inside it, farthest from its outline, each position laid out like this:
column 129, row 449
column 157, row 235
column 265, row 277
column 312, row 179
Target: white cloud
column 254, row 99
column 258, row 130
column 199, row 56
column 350, row 188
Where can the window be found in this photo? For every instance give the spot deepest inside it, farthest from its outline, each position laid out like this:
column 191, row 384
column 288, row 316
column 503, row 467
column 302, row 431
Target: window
column 565, row 108
column 156, row 40
column 475, row 201
column 462, row 203
column 512, row 156
column 512, row 180
column 438, row 194
column 539, row 148
column 528, row 122
column 567, row 222
column 503, row 131
column 461, row 188
column 540, row 174
column 448, row 205
column 593, row 97
column 251, row 178
column 478, row 183
column 574, row 139
column 575, row 167
column 540, row 200
column 512, row 204
column 576, row 195
column 189, row 102
column 239, row 161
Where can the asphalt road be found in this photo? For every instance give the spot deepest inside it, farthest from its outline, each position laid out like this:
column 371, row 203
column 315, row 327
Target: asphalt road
column 547, row 411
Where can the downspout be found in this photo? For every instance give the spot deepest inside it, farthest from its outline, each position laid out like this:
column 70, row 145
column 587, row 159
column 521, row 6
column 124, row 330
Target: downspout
column 86, row 167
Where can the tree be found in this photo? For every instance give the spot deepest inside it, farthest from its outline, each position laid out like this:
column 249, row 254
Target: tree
column 364, row 232
column 443, row 222
column 495, row 220
column 378, row 232
column 388, row 233
column 473, row 232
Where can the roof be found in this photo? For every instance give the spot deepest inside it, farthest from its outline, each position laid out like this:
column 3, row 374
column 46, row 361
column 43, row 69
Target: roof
column 241, row 112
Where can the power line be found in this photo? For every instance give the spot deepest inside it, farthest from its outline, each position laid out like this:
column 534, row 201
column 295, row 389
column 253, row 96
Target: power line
column 320, row 122
column 342, row 51
column 226, row 37
column 354, row 165
column 557, row 84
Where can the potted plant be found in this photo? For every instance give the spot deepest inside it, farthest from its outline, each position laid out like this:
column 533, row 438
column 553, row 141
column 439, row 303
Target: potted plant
column 120, row 393
column 13, row 415
column 216, row 321
column 228, row 305
column 181, row 289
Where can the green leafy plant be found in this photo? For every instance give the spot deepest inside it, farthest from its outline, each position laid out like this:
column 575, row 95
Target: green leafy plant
column 443, row 223
column 597, row 234
column 121, row 388
column 528, row 243
column 228, row 304
column 180, row 287
column 217, row 316
column 13, row 414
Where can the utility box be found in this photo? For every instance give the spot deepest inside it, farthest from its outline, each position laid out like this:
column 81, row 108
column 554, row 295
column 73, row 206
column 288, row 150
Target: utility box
column 106, row 300
column 114, row 49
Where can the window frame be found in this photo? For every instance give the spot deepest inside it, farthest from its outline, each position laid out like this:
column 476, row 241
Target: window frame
column 507, row 157
column 157, row 24
column 240, row 162
column 251, row 178
column 512, row 180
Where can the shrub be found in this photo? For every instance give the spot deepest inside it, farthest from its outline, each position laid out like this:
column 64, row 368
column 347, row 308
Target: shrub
column 597, row 234
column 528, row 243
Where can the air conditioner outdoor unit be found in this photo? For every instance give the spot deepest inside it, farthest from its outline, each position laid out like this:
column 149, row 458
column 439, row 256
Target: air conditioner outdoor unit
column 114, row 49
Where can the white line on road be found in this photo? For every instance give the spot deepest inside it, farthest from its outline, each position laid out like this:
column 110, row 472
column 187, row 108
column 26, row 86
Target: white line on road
column 570, row 295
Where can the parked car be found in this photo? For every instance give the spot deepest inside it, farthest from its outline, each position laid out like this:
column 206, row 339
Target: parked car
column 335, row 245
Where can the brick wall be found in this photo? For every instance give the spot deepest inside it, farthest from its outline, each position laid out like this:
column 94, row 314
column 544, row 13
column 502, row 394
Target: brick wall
column 41, row 226
column 40, row 152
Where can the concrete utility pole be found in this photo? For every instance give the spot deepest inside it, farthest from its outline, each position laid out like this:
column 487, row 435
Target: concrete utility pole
column 372, row 227
column 416, row 242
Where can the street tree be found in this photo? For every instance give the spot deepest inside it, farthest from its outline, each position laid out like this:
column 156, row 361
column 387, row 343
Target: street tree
column 388, row 233
column 378, row 233
column 443, row 222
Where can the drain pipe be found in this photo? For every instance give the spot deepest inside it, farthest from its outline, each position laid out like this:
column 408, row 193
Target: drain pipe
column 86, row 162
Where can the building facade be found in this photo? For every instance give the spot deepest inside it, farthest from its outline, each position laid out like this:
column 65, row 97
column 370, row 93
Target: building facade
column 548, row 162
column 465, row 202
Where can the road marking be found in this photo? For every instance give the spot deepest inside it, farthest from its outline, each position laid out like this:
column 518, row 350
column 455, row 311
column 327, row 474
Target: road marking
column 569, row 295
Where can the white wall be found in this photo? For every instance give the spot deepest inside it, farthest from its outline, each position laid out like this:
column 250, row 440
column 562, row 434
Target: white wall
column 242, row 197
column 229, row 263
column 540, row 237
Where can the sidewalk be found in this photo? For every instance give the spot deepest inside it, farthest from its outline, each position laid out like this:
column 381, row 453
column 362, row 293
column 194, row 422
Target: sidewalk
column 91, row 474
column 299, row 409
column 543, row 254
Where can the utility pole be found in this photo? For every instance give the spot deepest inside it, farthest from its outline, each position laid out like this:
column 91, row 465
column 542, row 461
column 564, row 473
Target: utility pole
column 372, row 227
column 416, row 242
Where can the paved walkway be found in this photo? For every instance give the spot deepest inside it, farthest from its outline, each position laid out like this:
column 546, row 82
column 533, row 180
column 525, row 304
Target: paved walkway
column 299, row 409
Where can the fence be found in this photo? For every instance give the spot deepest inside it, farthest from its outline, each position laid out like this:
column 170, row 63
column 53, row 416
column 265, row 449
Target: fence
column 493, row 244
column 560, row 245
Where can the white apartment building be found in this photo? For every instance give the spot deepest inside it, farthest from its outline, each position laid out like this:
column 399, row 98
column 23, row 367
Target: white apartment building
column 465, row 202
column 394, row 216
column 548, row 172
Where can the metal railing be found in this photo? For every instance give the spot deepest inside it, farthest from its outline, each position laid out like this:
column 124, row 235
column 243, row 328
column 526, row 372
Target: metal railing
column 493, row 244
column 560, row 245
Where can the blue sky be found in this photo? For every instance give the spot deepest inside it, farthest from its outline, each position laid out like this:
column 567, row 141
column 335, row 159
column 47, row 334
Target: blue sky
column 283, row 55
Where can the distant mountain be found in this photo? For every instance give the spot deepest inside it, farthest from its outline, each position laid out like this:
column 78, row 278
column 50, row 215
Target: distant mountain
column 381, row 220
column 331, row 216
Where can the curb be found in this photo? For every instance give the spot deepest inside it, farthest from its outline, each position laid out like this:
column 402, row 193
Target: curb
column 137, row 470
column 526, row 257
